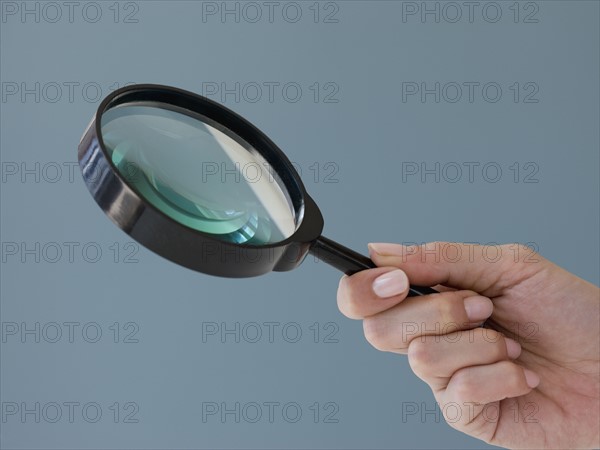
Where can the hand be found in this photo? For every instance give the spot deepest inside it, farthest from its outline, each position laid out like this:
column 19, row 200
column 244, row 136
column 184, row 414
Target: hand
column 530, row 378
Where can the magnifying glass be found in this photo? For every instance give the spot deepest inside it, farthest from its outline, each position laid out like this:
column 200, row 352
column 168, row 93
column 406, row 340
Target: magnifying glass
column 201, row 186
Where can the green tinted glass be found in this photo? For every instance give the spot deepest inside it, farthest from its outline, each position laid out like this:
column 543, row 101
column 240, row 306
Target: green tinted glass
column 196, row 174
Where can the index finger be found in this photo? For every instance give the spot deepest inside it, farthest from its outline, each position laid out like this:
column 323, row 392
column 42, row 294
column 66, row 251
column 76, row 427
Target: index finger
column 484, row 269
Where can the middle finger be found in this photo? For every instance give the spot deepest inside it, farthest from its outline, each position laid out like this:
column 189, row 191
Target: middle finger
column 436, row 314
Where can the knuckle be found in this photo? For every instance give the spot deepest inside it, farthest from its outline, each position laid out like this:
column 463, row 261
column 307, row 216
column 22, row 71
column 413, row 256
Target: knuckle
column 376, row 333
column 518, row 260
column 462, row 385
column 444, row 307
column 492, row 340
column 450, row 310
column 495, row 341
column 420, row 357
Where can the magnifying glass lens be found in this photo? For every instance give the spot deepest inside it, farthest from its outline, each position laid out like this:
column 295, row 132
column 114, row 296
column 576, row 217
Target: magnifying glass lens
column 198, row 173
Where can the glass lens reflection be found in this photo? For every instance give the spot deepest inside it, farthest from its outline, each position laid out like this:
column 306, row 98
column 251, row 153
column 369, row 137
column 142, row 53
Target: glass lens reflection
column 196, row 174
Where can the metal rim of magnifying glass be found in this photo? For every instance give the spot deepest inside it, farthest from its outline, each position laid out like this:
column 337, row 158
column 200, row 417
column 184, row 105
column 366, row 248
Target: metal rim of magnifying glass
column 191, row 248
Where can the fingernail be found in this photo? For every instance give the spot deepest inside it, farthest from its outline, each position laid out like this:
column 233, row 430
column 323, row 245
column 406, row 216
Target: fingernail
column 478, row 308
column 390, row 284
column 532, row 378
column 513, row 348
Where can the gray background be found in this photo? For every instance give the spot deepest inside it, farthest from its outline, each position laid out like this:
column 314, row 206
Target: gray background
column 367, row 134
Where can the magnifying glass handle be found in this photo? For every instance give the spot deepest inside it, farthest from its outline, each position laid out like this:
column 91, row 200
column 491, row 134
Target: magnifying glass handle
column 350, row 262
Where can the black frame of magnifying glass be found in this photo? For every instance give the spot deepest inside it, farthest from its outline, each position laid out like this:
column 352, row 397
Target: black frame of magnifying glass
column 192, row 248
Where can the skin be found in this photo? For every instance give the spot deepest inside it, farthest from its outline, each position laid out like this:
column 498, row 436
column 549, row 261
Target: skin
column 541, row 393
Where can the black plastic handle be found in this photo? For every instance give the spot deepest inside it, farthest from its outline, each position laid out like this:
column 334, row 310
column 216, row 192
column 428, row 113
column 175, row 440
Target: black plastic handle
column 350, row 262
